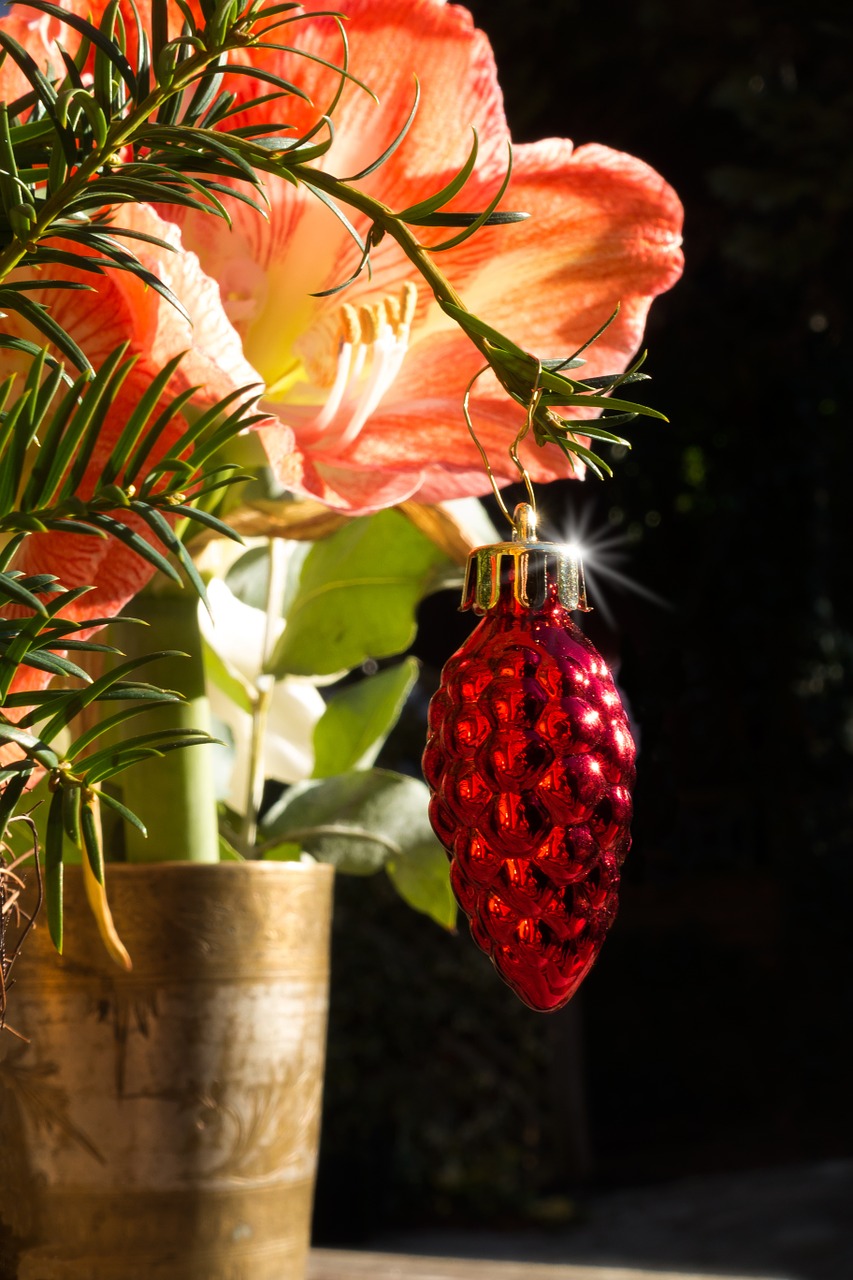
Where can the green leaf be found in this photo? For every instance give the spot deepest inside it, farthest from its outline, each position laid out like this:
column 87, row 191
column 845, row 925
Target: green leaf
column 16, row 435
column 53, row 869
column 440, row 198
column 107, row 763
column 338, row 212
column 268, row 77
column 502, row 218
column 161, row 528
column 82, row 698
column 137, row 421
column 592, row 460
column 100, row 727
column 44, row 91
column 71, row 804
column 35, row 748
column 11, row 189
column 357, row 596
column 39, row 317
column 628, row 406
column 358, row 719
column 92, row 34
column 354, row 821
column 206, row 90
column 392, row 147
column 219, row 675
column 191, row 434
column 482, row 218
column 10, row 793
column 136, row 543
column 91, row 840
column 595, row 432
column 112, row 803
column 118, row 762
column 200, row 516
column 248, row 577
column 14, row 591
column 93, row 112
column 361, row 821
column 283, row 853
column 89, row 418
column 227, row 852
column 57, row 449
column 45, row 662
column 421, row 879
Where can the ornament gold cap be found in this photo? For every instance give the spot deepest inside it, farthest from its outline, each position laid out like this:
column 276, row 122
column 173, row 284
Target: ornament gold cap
column 537, row 570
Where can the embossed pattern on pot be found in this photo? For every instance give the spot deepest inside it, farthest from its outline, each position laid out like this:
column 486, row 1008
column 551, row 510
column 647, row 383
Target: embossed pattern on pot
column 166, row 1121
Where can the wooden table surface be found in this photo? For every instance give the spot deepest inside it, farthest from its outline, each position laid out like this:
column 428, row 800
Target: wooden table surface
column 339, row 1264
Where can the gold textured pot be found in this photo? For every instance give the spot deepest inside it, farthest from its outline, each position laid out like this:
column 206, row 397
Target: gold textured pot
column 163, row 1124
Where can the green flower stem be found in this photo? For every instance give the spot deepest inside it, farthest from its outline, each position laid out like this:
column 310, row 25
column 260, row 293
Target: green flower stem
column 264, row 689
column 260, row 712
column 174, row 794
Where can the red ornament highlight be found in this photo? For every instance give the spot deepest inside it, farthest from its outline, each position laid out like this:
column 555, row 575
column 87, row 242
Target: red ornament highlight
column 531, row 762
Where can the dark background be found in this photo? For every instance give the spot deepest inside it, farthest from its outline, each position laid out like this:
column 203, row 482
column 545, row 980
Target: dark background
column 715, row 1032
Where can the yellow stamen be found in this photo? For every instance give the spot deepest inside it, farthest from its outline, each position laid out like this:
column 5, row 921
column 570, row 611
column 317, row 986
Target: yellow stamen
column 409, row 301
column 350, row 326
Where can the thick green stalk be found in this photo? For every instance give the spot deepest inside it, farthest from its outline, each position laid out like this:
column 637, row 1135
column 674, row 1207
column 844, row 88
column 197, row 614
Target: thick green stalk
column 173, row 795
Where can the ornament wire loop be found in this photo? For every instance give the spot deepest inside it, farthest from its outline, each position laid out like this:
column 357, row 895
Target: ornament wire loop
column 533, row 404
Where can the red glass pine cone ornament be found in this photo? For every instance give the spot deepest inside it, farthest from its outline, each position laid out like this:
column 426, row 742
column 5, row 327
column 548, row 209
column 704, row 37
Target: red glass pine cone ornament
column 530, row 761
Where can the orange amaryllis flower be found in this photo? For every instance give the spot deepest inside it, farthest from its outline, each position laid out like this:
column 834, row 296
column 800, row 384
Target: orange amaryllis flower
column 370, row 381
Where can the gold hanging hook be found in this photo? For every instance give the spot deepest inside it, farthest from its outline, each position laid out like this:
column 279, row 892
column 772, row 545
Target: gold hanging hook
column 533, row 405
column 536, row 396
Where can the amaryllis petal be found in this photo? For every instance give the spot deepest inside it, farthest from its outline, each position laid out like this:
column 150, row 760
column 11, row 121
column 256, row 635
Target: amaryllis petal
column 36, row 33
column 606, row 228
column 118, row 306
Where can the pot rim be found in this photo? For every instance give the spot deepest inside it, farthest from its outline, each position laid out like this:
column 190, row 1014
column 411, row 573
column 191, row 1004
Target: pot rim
column 211, row 868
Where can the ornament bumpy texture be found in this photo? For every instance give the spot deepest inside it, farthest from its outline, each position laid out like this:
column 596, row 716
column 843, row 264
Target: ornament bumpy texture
column 531, row 761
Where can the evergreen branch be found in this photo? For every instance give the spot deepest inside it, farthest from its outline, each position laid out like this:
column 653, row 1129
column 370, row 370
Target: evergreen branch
column 66, row 424
column 89, row 151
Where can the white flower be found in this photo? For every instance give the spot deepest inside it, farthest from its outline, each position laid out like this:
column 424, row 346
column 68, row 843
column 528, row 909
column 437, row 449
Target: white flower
column 238, row 640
